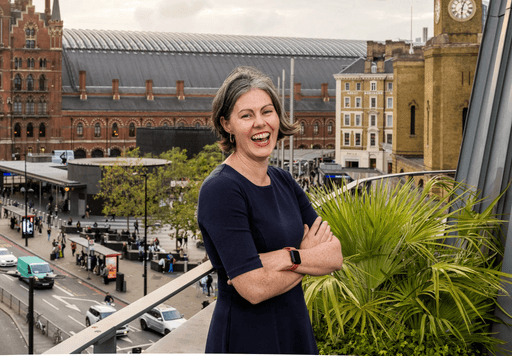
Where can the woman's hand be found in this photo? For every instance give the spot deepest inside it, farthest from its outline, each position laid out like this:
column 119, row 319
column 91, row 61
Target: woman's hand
column 319, row 232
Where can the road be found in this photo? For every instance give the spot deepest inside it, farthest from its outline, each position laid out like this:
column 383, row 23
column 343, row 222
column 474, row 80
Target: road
column 65, row 305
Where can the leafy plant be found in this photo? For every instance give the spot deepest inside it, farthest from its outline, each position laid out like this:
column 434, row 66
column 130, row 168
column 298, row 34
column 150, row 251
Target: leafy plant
column 414, row 262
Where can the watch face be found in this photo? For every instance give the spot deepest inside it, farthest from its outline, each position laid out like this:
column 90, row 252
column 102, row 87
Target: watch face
column 462, row 10
column 295, row 255
column 437, row 11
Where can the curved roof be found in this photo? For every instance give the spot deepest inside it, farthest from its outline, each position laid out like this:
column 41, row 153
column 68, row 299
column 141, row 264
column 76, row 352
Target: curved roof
column 210, row 44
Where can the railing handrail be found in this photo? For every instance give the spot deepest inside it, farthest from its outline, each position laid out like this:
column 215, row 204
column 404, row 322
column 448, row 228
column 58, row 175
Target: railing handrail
column 102, row 335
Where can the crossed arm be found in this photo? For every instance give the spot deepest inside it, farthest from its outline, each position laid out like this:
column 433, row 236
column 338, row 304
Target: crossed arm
column 320, row 253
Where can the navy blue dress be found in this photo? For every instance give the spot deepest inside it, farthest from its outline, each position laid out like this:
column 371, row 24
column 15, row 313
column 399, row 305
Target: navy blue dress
column 238, row 221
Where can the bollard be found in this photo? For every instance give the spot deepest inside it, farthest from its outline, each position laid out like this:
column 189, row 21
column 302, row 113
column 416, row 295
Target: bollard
column 185, row 267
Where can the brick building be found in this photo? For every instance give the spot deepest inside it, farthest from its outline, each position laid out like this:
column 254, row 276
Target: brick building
column 403, row 108
column 89, row 90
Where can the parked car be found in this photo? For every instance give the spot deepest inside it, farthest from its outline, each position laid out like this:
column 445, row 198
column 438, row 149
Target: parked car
column 163, row 319
column 7, row 258
column 101, row 311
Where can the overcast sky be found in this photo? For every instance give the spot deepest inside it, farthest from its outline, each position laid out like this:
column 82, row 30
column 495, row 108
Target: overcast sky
column 339, row 19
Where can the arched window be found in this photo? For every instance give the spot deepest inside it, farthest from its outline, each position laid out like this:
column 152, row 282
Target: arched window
column 131, row 130
column 30, row 130
column 30, row 63
column 198, row 125
column 302, row 129
column 315, row 128
column 43, row 110
column 17, row 107
column 30, row 37
column 115, row 152
column 42, row 130
column 97, row 153
column 80, row 129
column 17, row 63
column 17, row 130
column 17, row 82
column 42, row 83
column 413, row 120
column 30, row 106
column 148, row 124
column 115, row 131
column 181, row 124
column 329, row 128
column 30, row 82
column 80, row 154
column 166, row 124
column 42, row 62
column 97, row 131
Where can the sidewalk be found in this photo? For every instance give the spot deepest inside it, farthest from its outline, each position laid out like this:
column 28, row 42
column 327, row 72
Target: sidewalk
column 188, row 302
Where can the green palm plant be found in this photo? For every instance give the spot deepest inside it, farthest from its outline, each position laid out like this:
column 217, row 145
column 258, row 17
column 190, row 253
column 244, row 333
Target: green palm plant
column 413, row 260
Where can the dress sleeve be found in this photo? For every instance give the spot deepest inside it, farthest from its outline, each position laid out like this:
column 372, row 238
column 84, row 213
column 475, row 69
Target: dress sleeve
column 224, row 222
column 306, row 208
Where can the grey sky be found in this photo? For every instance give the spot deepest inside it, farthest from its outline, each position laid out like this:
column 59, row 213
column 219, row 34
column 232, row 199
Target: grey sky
column 341, row 19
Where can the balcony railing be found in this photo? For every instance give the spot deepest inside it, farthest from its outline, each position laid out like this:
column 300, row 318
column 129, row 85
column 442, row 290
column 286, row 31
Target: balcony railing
column 102, row 335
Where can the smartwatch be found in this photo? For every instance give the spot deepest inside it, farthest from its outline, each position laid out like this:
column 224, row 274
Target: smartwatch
column 295, row 256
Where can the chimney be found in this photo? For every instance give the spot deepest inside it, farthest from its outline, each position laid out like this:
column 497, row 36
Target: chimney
column 180, row 89
column 149, row 89
column 82, row 87
column 325, row 91
column 47, row 9
column 115, row 89
column 297, row 91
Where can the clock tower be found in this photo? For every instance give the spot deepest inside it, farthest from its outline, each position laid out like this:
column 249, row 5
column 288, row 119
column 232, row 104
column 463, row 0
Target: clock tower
column 450, row 63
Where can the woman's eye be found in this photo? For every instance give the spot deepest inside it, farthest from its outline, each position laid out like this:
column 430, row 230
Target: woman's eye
column 246, row 116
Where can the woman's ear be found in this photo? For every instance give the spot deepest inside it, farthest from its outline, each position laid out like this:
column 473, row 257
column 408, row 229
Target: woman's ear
column 225, row 124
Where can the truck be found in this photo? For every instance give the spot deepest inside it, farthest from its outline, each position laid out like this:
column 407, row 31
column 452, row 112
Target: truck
column 32, row 266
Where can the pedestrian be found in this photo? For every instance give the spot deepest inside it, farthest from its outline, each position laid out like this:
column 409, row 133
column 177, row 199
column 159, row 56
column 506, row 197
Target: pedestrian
column 87, row 211
column 49, row 232
column 40, row 226
column 209, row 280
column 109, row 299
column 73, row 248
column 56, row 210
column 172, row 260
column 104, row 274
column 136, row 226
column 124, row 251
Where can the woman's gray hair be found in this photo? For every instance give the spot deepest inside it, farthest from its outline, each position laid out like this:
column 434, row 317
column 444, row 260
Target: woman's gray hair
column 239, row 82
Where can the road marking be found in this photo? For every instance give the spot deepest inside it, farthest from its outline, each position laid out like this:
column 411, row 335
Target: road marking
column 71, row 306
column 126, row 338
column 134, row 328
column 76, row 321
column 65, row 291
column 50, row 304
column 129, row 348
column 9, row 278
column 72, row 332
column 22, row 286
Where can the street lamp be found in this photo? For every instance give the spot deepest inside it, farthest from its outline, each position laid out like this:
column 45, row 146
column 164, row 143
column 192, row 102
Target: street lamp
column 24, row 220
column 145, row 275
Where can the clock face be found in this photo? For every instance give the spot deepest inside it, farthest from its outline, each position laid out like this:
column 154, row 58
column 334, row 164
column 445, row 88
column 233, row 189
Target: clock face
column 462, row 10
column 437, row 11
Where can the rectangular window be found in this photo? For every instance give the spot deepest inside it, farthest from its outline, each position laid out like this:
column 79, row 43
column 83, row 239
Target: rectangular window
column 358, row 139
column 373, row 86
column 390, row 103
column 390, row 86
column 358, row 102
column 373, row 103
column 358, row 120
column 347, row 102
column 347, row 139
column 347, row 120
column 390, row 121
column 347, row 86
column 373, row 120
column 372, row 140
column 389, row 139
column 358, row 86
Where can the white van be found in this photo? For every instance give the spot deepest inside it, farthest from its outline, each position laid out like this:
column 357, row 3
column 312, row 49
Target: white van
column 62, row 156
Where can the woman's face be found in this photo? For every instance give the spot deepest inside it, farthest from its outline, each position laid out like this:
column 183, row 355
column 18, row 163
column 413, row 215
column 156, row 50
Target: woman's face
column 255, row 124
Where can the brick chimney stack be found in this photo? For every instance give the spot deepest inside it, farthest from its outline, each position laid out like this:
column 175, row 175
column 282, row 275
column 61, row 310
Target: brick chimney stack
column 325, row 91
column 149, row 89
column 297, row 91
column 82, row 85
column 115, row 89
column 180, row 89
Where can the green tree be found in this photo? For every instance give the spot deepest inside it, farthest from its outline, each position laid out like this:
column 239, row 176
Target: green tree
column 402, row 277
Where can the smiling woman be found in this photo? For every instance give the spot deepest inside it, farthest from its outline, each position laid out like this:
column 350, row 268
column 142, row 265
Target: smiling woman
column 255, row 222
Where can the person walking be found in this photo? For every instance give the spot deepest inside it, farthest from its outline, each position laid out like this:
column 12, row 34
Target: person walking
column 209, row 280
column 73, row 248
column 49, row 232
column 109, row 299
column 172, row 260
column 87, row 211
column 56, row 210
column 136, row 226
column 104, row 274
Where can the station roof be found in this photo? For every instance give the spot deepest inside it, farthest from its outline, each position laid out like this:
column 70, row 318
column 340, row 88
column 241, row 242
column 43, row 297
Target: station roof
column 52, row 173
